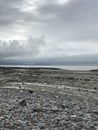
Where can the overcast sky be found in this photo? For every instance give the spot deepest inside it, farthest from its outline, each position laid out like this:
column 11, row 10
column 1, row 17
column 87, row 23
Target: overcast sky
column 36, row 30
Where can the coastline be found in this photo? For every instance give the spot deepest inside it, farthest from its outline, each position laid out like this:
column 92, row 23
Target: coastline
column 68, row 67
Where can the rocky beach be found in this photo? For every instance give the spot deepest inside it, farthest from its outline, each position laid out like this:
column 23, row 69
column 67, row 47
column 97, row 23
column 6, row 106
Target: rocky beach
column 48, row 99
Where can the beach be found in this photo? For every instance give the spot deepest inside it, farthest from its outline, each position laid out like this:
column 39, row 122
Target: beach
column 48, row 98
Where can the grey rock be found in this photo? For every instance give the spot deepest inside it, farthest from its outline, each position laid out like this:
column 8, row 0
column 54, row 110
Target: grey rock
column 23, row 103
column 54, row 109
column 41, row 125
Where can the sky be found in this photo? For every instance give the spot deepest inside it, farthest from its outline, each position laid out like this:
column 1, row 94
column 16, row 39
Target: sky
column 48, row 31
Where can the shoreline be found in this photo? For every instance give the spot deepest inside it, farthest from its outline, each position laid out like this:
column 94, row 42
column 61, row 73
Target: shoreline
column 68, row 67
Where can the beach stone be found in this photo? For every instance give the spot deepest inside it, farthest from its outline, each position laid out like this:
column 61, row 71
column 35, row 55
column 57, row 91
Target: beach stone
column 54, row 109
column 42, row 125
column 30, row 91
column 73, row 116
column 43, row 90
column 18, row 122
column 96, row 127
column 2, row 118
column 39, row 109
column 23, row 103
column 95, row 112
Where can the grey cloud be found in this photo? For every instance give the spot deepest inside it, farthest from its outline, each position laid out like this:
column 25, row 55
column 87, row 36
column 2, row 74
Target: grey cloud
column 8, row 12
column 21, row 49
column 70, row 28
column 11, row 13
column 77, row 20
column 73, row 21
column 66, row 60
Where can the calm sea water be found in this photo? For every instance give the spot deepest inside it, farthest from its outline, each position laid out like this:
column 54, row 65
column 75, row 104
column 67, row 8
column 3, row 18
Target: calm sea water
column 69, row 67
column 80, row 67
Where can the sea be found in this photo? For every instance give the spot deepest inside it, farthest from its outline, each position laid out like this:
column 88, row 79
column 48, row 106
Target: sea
column 68, row 67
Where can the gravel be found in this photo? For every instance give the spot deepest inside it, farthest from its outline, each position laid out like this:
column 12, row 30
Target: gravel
column 36, row 111
column 38, row 100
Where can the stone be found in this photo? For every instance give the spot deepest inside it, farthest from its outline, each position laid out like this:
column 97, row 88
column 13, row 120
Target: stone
column 18, row 122
column 95, row 112
column 2, row 118
column 23, row 103
column 30, row 91
column 38, row 109
column 73, row 116
column 54, row 109
column 42, row 125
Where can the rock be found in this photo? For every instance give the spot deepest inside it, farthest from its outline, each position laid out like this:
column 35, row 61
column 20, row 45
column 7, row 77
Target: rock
column 47, row 129
column 43, row 90
column 62, row 117
column 30, row 91
column 78, row 89
column 96, row 127
column 36, row 128
column 95, row 88
column 2, row 118
column 54, row 109
column 20, row 122
column 38, row 109
column 23, row 103
column 73, row 116
column 95, row 112
column 42, row 125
